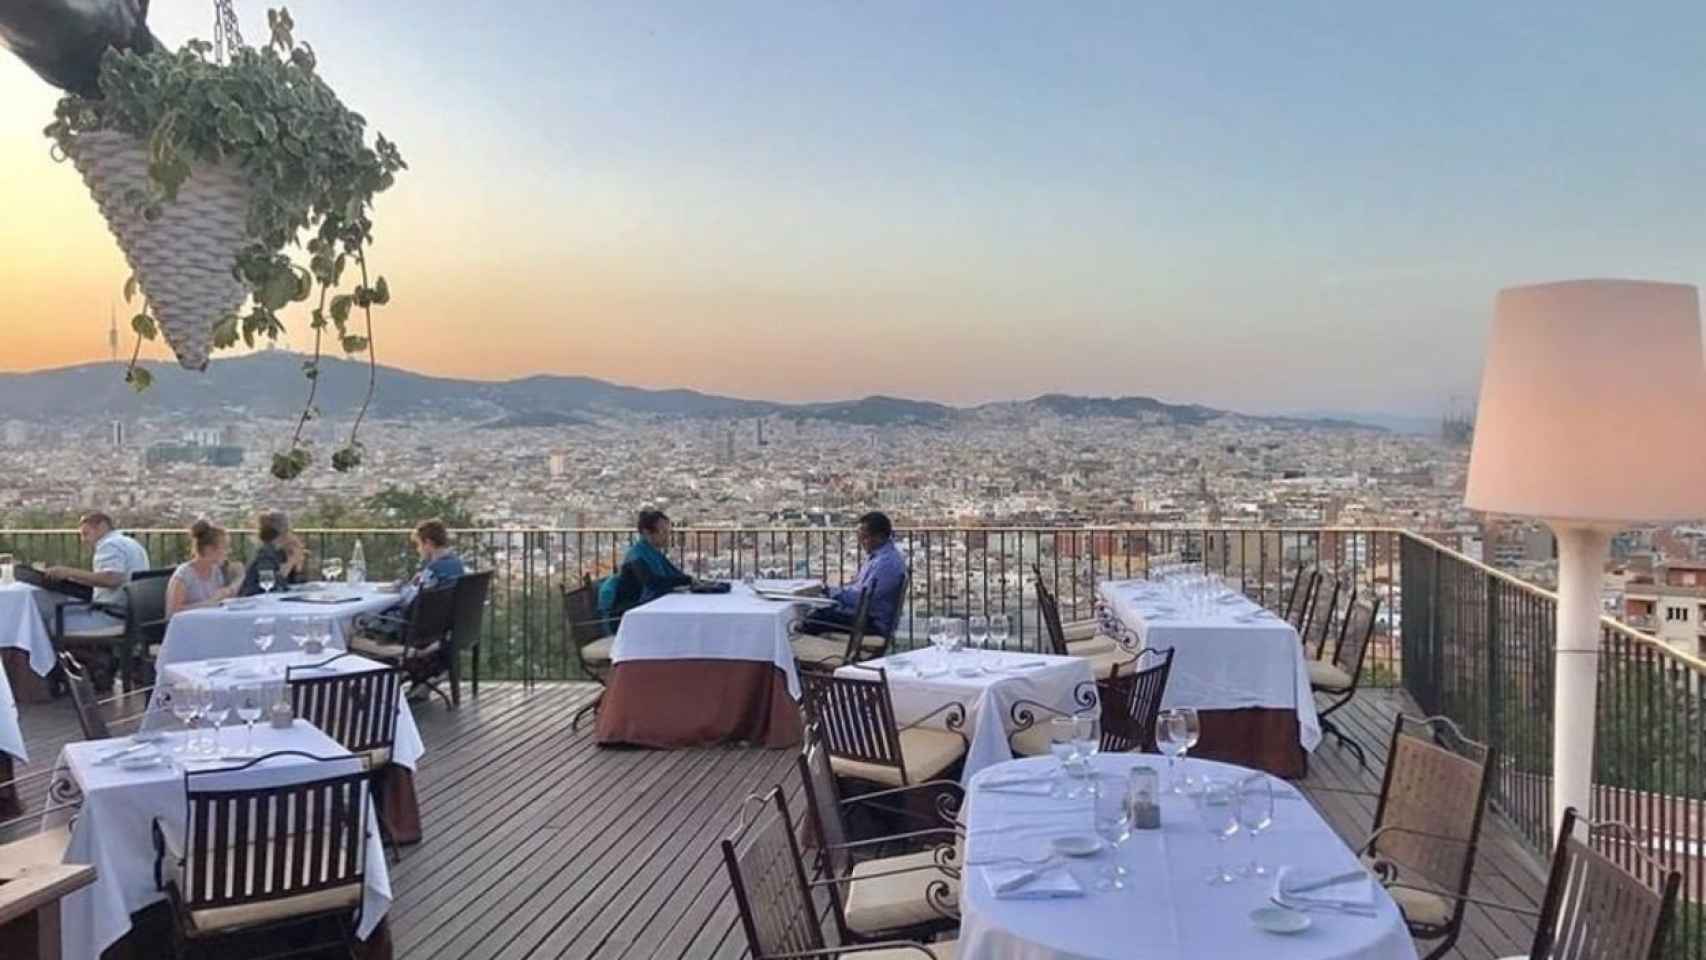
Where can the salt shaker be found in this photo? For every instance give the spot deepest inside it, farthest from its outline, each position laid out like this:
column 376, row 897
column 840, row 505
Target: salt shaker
column 1143, row 794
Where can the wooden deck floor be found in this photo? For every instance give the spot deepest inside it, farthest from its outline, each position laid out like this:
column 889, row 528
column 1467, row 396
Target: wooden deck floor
column 541, row 845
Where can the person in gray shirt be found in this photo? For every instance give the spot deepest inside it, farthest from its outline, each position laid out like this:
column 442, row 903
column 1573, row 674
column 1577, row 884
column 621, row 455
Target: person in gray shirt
column 117, row 557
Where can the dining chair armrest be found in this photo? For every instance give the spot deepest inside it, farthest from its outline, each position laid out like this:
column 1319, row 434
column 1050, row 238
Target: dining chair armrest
column 832, row 952
column 891, row 838
column 1461, row 898
column 1023, row 713
column 167, row 843
column 896, row 872
column 1393, row 828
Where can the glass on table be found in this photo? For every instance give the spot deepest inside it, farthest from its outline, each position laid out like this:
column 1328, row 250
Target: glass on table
column 956, row 633
column 1170, row 739
column 978, row 628
column 266, row 578
column 219, row 704
column 1111, row 818
column 250, row 704
column 1063, row 746
column 7, row 565
column 1193, row 733
column 938, row 633
column 320, row 631
column 1255, row 814
column 298, row 627
column 1217, row 806
column 179, row 698
column 1000, row 628
column 332, row 570
column 262, row 631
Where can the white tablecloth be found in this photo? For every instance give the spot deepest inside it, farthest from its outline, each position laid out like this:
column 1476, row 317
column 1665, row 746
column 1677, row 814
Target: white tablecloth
column 1236, row 656
column 254, row 668
column 22, row 627
column 738, row 625
column 923, row 682
column 1167, row 910
column 225, row 631
column 11, row 731
column 114, row 833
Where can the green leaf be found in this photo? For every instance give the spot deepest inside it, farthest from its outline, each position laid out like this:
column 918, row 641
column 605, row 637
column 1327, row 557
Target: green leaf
column 143, row 324
column 225, row 332
column 340, row 308
column 138, row 378
column 354, row 344
column 381, row 292
column 130, row 288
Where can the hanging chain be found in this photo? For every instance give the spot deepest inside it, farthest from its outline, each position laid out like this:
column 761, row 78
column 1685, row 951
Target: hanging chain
column 226, row 37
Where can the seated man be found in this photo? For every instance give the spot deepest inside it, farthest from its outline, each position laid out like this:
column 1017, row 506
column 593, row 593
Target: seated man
column 280, row 551
column 116, row 558
column 883, row 574
column 646, row 572
column 439, row 565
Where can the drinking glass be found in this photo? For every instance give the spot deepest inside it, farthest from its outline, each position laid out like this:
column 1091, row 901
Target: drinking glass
column 250, row 704
column 263, row 630
column 938, row 633
column 1063, row 745
column 1000, row 628
column 6, row 566
column 1170, row 739
column 1217, row 805
column 178, row 699
column 265, row 578
column 219, row 704
column 1193, row 733
column 1084, row 746
column 978, row 627
column 332, row 570
column 298, row 631
column 1111, row 818
column 1255, row 814
column 320, row 630
column 199, row 697
column 956, row 633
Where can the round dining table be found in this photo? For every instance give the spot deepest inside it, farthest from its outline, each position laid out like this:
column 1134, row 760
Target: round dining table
column 1167, row 909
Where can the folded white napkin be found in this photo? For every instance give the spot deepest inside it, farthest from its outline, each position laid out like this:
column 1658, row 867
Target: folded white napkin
column 1302, row 886
column 1032, row 883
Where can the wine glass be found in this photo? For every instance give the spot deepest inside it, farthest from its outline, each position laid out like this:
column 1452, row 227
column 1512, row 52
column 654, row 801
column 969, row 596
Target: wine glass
column 249, row 703
column 956, row 633
column 219, row 704
column 200, row 697
column 320, row 631
column 1217, row 805
column 1063, row 745
column 178, row 699
column 1255, row 814
column 266, row 578
column 262, row 630
column 938, row 633
column 299, row 631
column 1000, row 628
column 978, row 628
column 1111, row 817
column 332, row 569
column 1170, row 739
column 1193, row 733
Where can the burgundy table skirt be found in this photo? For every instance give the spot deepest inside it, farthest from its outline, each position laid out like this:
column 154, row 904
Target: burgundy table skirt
column 27, row 685
column 1262, row 739
column 668, row 704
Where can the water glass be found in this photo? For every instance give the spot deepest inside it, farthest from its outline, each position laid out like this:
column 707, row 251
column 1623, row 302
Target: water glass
column 1217, row 805
column 1000, row 628
column 978, row 627
column 1172, row 737
column 1111, row 818
column 262, row 631
column 7, row 564
column 178, row 698
column 938, row 633
column 250, row 701
column 1063, row 746
column 298, row 631
column 320, row 631
column 219, row 704
column 266, row 578
column 332, row 570
column 956, row 633
column 1255, row 814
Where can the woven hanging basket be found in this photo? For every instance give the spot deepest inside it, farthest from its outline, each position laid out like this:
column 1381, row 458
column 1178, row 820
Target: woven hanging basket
column 185, row 258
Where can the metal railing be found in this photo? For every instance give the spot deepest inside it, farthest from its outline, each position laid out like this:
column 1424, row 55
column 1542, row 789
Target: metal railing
column 1477, row 647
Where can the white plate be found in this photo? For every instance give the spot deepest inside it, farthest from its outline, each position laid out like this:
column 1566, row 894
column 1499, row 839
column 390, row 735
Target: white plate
column 1280, row 920
column 1076, row 845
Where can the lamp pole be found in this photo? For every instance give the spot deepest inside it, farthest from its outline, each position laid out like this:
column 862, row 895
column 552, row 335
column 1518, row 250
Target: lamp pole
column 1582, row 552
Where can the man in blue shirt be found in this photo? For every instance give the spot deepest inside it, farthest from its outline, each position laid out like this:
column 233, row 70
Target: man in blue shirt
column 646, row 572
column 883, row 574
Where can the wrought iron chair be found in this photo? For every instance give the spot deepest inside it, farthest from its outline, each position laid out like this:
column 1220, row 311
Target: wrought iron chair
column 828, row 651
column 109, row 651
column 466, row 625
column 250, row 861
column 425, row 644
column 1082, row 638
column 589, row 642
column 1323, row 614
column 882, row 897
column 1427, row 825
column 1339, row 677
column 1303, row 592
column 357, row 709
column 1129, row 703
column 1596, row 909
column 1104, row 661
column 856, row 720
column 777, row 908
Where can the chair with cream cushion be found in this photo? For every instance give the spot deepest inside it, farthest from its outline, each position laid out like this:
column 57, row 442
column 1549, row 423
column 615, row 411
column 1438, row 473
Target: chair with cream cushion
column 832, row 649
column 312, row 833
column 358, row 710
column 1338, row 677
column 856, row 715
column 590, row 643
column 1304, row 589
column 1127, row 705
column 898, row 896
column 1107, row 657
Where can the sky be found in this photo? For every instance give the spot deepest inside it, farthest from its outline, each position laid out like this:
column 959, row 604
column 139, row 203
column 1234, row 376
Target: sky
column 1261, row 206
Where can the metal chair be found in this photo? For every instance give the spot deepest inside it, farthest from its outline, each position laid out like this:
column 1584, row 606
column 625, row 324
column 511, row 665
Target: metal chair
column 882, row 897
column 1339, row 677
column 109, row 651
column 357, row 709
column 589, row 644
column 1128, row 704
column 1303, row 592
column 250, row 861
column 1104, row 661
column 777, row 909
column 424, row 643
column 1427, row 825
column 466, row 622
column 856, row 720
column 828, row 651
column 1323, row 614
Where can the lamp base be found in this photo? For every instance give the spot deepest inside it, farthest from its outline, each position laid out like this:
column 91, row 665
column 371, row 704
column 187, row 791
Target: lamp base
column 1582, row 551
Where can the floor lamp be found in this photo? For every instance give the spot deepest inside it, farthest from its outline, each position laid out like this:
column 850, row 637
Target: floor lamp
column 1592, row 417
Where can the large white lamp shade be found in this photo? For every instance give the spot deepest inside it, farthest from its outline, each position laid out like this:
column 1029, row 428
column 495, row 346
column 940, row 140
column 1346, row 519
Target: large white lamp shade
column 1592, row 416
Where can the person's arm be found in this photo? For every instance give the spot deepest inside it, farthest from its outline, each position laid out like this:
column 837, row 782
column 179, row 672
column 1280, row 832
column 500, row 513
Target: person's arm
column 109, row 579
column 175, row 597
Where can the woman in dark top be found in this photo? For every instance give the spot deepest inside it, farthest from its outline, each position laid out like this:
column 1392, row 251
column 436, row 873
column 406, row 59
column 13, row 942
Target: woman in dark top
column 280, row 551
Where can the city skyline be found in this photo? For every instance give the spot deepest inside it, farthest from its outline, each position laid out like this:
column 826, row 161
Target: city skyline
column 1267, row 211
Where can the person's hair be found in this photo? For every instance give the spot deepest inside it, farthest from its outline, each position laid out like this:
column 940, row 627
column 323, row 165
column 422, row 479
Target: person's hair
column 96, row 518
column 878, row 524
column 205, row 535
column 649, row 520
column 433, row 532
column 271, row 525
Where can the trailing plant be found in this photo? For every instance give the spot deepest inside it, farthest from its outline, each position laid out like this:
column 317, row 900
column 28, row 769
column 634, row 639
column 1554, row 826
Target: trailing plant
column 305, row 156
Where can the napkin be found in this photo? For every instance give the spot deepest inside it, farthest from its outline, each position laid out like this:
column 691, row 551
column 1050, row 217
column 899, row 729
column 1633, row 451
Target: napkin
column 1029, row 786
column 1356, row 892
column 1032, row 883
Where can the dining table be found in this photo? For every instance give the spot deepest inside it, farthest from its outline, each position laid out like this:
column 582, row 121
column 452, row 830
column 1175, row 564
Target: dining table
column 689, row 669
column 226, row 629
column 986, row 685
column 1242, row 668
column 26, row 650
column 1051, row 904
column 113, row 829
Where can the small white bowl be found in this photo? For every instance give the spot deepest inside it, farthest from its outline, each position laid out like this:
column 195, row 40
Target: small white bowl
column 1076, row 845
column 1280, row 920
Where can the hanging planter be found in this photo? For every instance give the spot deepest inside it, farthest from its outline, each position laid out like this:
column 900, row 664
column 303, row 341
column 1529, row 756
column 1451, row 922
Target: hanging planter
column 209, row 169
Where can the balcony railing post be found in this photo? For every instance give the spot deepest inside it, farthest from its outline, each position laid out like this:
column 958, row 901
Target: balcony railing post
column 1495, row 684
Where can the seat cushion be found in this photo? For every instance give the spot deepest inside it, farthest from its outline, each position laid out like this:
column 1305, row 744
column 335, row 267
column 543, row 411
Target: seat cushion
column 1100, row 643
column 1421, row 907
column 926, row 753
column 95, row 633
column 943, row 950
column 343, row 897
column 1327, row 676
column 43, row 849
column 877, row 903
column 1080, row 629
column 598, row 651
column 1033, row 741
column 820, row 650
column 1103, row 664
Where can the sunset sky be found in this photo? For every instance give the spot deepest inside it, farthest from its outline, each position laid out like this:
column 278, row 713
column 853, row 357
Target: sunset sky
column 1265, row 206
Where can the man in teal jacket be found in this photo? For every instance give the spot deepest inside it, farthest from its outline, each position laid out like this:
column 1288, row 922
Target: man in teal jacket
column 646, row 572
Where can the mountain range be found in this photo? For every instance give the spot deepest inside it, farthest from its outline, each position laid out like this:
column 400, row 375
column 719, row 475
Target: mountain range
column 270, row 383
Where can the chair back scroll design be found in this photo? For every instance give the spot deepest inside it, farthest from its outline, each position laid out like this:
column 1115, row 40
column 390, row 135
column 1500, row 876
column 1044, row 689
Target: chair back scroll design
column 1595, row 909
column 1131, row 702
column 769, row 880
column 358, row 710
column 855, row 716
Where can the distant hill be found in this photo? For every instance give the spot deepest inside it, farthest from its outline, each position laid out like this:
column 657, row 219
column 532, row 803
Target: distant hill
column 270, row 383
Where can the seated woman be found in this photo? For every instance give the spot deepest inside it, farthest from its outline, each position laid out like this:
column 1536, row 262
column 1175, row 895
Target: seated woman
column 646, row 572
column 280, row 551
column 203, row 580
